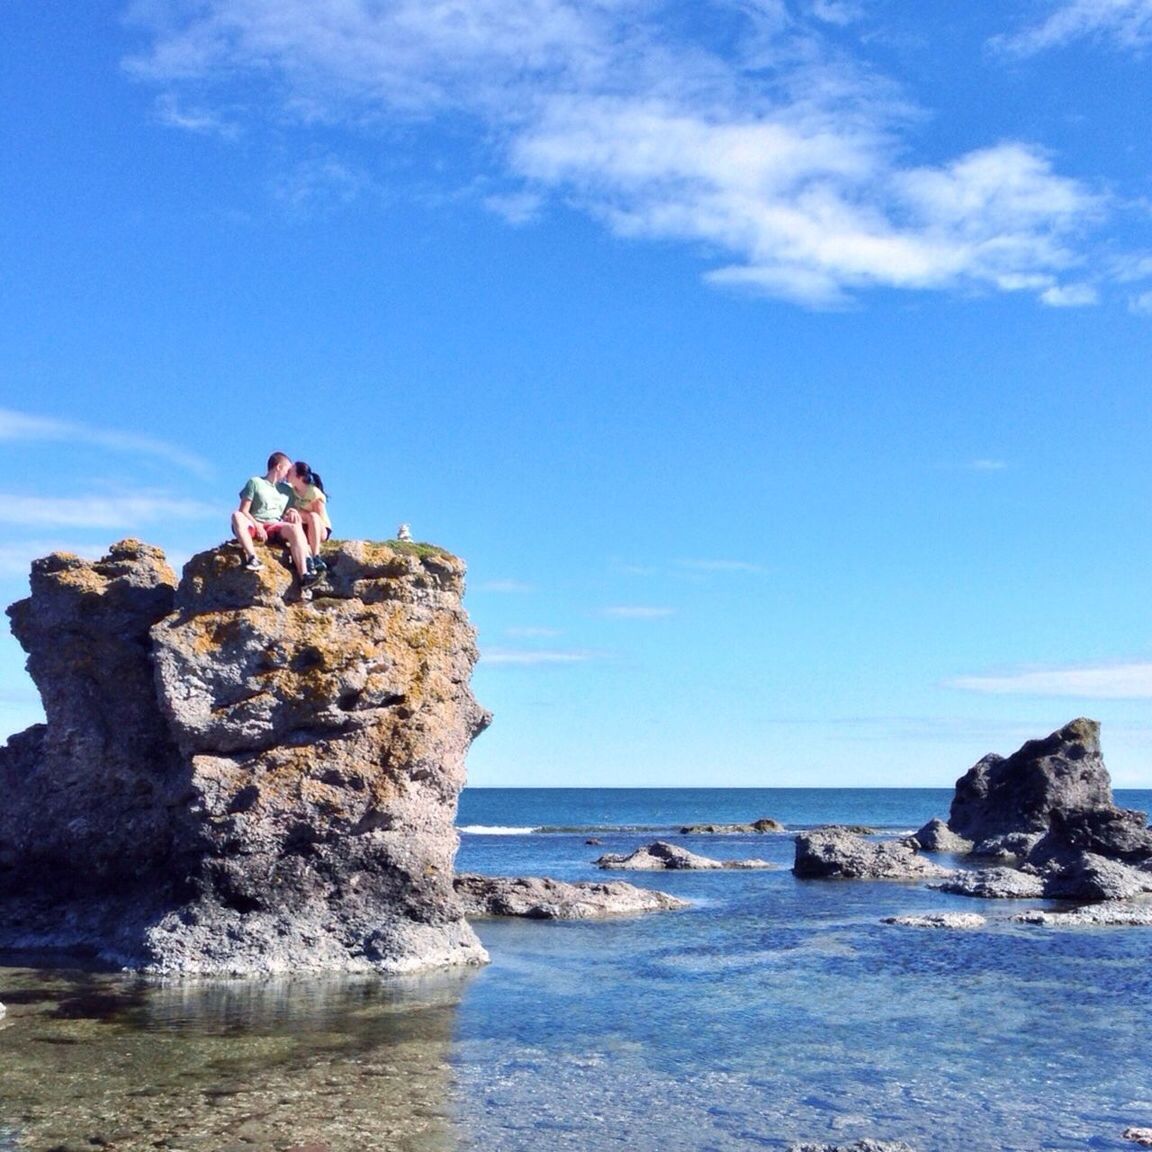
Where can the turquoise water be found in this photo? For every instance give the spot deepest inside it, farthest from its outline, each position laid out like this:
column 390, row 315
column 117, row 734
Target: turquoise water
column 771, row 1011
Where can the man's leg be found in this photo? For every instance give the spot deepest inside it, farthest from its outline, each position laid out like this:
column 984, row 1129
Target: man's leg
column 240, row 529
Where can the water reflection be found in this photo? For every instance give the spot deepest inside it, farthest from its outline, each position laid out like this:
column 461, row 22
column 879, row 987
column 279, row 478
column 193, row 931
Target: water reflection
column 330, row 1065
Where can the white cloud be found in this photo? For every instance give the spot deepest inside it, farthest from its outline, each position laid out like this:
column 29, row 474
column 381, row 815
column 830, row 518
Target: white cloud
column 1125, row 23
column 986, row 464
column 1091, row 682
column 531, row 632
column 100, row 511
column 638, row 612
column 20, row 426
column 1142, row 304
column 780, row 159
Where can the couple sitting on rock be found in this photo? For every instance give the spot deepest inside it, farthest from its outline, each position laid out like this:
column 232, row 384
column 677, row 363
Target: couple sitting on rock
column 287, row 504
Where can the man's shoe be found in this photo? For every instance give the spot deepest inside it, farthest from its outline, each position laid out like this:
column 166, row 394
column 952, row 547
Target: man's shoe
column 253, row 564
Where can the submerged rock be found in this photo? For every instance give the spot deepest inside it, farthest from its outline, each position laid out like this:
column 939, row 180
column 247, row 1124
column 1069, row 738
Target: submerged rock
column 232, row 780
column 662, row 855
column 835, row 853
column 859, row 1146
column 546, row 899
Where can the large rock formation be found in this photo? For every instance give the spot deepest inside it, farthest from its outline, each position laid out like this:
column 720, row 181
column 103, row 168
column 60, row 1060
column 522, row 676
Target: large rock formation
column 1047, row 808
column 232, row 780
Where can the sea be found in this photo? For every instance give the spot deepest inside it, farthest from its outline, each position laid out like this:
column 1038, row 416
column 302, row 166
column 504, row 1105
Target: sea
column 770, row 1012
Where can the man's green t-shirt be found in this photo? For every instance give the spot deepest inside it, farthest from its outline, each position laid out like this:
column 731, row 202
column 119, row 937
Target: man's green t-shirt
column 269, row 501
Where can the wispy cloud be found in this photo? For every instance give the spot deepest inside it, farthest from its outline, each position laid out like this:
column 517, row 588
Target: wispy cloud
column 531, row 656
column 987, row 464
column 510, row 586
column 100, row 511
column 1131, row 681
column 638, row 612
column 531, row 632
column 720, row 566
column 781, row 157
column 16, row 558
column 1125, row 24
column 21, row 426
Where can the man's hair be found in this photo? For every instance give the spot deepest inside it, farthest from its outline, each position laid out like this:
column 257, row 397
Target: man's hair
column 275, row 459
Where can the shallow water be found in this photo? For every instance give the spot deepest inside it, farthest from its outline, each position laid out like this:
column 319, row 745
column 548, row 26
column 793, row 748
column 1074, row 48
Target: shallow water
column 98, row 1060
column 771, row 1011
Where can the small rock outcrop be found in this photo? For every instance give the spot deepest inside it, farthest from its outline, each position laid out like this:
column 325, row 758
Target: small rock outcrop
column 662, row 855
column 232, row 780
column 835, row 853
column 540, row 898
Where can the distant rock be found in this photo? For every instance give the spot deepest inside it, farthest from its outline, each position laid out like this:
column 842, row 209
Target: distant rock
column 662, row 855
column 546, row 899
column 834, row 853
column 757, row 826
column 232, row 780
column 963, row 920
column 1141, row 1136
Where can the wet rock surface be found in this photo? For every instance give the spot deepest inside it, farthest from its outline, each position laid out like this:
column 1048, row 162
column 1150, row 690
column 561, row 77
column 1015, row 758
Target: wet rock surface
column 540, row 898
column 234, row 780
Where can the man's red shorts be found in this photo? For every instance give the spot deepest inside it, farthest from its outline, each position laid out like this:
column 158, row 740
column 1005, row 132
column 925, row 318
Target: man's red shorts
column 273, row 529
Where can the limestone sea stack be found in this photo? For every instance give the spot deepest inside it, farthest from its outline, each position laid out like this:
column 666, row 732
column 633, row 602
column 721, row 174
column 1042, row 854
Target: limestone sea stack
column 232, row 780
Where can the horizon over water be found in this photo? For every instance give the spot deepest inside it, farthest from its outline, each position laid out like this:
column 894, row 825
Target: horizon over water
column 770, row 1012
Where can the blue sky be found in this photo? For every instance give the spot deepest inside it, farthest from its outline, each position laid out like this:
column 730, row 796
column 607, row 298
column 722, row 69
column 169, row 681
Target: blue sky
column 780, row 369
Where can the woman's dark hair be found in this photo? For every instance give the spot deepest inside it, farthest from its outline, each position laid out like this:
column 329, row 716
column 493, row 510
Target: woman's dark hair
column 307, row 475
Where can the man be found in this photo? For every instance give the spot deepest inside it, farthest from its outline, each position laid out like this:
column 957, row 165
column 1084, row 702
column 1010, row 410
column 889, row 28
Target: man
column 264, row 515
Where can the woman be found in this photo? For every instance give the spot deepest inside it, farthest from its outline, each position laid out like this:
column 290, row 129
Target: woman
column 311, row 501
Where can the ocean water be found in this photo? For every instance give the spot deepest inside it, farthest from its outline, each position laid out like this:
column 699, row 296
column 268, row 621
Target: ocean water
column 771, row 1011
